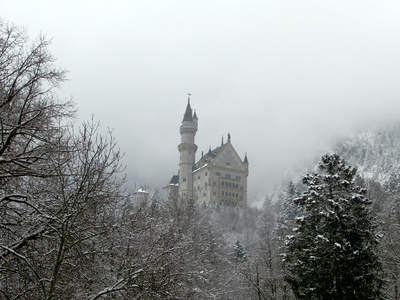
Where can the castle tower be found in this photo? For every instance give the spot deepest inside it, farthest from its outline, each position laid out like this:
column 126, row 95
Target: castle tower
column 187, row 150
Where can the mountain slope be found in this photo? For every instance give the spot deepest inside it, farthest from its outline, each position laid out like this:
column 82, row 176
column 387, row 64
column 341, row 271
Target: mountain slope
column 376, row 154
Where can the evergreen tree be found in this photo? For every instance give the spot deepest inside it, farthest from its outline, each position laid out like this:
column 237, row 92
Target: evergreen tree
column 332, row 252
column 239, row 253
column 289, row 212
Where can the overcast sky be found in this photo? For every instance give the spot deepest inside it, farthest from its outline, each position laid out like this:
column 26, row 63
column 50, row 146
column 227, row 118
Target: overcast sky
column 283, row 77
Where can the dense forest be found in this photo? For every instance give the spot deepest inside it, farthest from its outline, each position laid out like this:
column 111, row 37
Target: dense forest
column 68, row 231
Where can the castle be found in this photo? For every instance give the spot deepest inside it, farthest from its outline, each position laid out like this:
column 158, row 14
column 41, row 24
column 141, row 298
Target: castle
column 218, row 178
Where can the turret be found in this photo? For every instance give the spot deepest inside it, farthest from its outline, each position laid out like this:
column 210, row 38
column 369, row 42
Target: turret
column 246, row 163
column 195, row 119
column 187, row 149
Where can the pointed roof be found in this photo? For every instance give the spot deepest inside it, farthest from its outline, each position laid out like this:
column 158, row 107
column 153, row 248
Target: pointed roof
column 246, row 161
column 195, row 115
column 174, row 180
column 212, row 153
column 213, row 156
column 188, row 113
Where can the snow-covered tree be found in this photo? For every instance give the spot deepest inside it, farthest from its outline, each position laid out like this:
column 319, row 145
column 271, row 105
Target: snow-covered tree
column 331, row 254
column 289, row 211
column 57, row 186
column 239, row 254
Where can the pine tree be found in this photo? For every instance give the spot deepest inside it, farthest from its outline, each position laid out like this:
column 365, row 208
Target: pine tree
column 332, row 252
column 289, row 212
column 239, row 253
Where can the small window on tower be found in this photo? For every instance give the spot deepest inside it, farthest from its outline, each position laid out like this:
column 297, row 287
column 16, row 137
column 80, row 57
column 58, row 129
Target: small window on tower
column 184, row 179
column 228, row 163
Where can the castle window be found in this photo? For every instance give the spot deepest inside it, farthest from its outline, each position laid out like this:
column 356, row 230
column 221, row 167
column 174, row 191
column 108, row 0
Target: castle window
column 237, row 186
column 214, row 192
column 184, row 179
column 228, row 175
column 198, row 176
column 222, row 193
column 228, row 163
column 217, row 174
column 223, row 183
column 206, row 173
column 230, row 184
column 214, row 183
column 237, row 177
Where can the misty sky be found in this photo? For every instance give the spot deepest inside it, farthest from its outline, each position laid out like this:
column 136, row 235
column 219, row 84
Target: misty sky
column 283, row 77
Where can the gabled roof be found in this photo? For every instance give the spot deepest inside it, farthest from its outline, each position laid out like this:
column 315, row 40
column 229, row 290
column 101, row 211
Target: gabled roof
column 213, row 155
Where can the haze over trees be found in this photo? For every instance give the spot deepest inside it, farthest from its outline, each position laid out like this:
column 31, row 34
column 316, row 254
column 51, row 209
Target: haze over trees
column 68, row 230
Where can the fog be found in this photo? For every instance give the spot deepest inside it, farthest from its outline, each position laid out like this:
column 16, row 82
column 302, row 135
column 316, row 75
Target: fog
column 284, row 78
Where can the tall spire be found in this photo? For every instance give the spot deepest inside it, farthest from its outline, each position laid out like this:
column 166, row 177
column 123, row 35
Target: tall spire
column 246, row 161
column 188, row 113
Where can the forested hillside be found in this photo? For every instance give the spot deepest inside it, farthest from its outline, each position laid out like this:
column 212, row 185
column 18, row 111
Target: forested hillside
column 376, row 154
